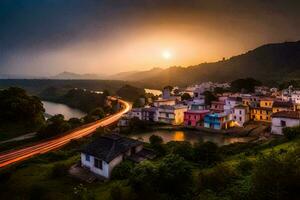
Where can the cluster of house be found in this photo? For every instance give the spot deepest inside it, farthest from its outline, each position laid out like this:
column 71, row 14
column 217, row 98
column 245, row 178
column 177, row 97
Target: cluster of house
column 230, row 110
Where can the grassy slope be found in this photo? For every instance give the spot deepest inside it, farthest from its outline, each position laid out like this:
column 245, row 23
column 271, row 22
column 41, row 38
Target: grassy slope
column 36, row 173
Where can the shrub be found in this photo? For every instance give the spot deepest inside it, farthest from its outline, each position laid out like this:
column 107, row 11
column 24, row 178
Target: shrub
column 59, row 170
column 123, row 170
column 206, row 153
column 291, row 132
column 183, row 149
column 155, row 140
column 276, row 176
column 217, row 179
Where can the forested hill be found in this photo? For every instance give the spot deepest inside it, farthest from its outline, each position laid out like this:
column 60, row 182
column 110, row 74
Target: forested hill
column 268, row 62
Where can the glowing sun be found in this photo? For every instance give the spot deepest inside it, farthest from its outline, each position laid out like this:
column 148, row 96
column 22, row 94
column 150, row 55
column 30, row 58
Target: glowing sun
column 166, row 54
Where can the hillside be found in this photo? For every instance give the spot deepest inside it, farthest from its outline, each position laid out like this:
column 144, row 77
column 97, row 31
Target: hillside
column 269, row 62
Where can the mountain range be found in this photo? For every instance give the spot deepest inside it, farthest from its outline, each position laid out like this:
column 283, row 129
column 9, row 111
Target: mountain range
column 277, row 62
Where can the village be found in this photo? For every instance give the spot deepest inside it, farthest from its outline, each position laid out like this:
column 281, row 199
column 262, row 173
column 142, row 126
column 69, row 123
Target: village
column 268, row 106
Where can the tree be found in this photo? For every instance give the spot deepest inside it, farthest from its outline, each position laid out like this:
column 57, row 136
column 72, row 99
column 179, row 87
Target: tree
column 206, row 153
column 247, row 85
column 155, row 140
column 276, row 176
column 175, row 175
column 130, row 93
column 18, row 107
column 209, row 97
column 186, row 96
column 54, row 126
column 182, row 148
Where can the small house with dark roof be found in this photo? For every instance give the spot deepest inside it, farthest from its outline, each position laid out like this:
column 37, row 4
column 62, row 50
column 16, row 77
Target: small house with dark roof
column 284, row 119
column 106, row 152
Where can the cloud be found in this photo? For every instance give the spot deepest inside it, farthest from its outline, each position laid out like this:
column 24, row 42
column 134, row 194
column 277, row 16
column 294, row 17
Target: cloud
column 32, row 31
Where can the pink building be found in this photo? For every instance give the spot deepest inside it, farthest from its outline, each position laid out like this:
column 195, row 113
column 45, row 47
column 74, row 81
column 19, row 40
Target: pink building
column 193, row 118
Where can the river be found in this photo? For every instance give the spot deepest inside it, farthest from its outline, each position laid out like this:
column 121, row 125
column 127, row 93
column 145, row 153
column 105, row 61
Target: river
column 191, row 136
column 52, row 108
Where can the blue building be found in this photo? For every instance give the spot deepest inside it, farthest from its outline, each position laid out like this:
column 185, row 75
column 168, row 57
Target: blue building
column 217, row 121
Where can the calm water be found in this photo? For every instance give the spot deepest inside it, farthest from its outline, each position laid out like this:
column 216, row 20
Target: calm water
column 154, row 92
column 191, row 136
column 58, row 108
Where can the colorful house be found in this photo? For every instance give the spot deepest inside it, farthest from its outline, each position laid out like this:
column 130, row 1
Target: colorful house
column 193, row 118
column 218, row 121
column 241, row 114
column 217, row 106
column 171, row 114
column 261, row 114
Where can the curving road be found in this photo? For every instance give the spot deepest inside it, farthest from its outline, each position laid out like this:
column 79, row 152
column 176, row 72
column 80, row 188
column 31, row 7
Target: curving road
column 11, row 157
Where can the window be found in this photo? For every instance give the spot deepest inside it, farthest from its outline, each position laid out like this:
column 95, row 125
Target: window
column 260, row 117
column 98, row 163
column 240, row 119
column 87, row 157
column 266, row 104
column 240, row 112
column 283, row 123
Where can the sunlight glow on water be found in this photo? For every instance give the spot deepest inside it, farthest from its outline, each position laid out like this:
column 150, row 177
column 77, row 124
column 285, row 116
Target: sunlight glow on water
column 58, row 108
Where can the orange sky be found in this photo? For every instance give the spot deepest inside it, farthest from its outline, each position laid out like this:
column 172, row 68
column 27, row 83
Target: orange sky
column 134, row 36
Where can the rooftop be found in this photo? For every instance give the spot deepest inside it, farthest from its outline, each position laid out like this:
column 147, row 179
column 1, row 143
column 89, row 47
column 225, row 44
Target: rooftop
column 197, row 111
column 108, row 147
column 286, row 104
column 287, row 114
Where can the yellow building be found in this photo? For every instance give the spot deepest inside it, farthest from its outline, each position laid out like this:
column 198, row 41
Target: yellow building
column 261, row 114
column 296, row 107
column 266, row 103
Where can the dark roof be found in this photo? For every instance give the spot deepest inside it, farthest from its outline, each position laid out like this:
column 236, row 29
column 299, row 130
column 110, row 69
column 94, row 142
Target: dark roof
column 241, row 106
column 287, row 114
column 283, row 104
column 110, row 146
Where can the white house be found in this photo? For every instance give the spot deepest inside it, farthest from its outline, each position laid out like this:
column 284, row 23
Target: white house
column 135, row 112
column 241, row 114
column 161, row 102
column 106, row 152
column 296, row 96
column 230, row 103
column 284, row 119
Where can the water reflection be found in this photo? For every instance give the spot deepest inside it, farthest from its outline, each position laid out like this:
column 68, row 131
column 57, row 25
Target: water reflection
column 58, row 108
column 191, row 136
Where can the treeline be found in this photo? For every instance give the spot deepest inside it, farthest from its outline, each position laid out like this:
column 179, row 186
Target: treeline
column 84, row 100
column 17, row 106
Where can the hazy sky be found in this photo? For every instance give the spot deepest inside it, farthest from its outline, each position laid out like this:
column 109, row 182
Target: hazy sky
column 45, row 37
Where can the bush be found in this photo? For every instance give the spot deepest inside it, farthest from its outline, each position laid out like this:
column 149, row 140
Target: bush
column 183, row 149
column 155, row 140
column 217, row 179
column 206, row 153
column 276, row 176
column 123, row 170
column 59, row 170
column 291, row 132
column 37, row 192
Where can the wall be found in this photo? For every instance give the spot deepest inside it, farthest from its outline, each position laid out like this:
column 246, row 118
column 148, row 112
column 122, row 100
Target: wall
column 276, row 124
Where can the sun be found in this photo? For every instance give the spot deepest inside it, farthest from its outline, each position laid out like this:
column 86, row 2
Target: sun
column 166, row 54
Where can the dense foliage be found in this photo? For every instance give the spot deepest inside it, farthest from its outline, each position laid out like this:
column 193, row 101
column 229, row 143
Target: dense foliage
column 244, row 85
column 18, row 107
column 130, row 93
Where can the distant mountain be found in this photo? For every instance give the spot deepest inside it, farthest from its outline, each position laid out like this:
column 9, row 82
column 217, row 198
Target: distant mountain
column 269, row 62
column 71, row 75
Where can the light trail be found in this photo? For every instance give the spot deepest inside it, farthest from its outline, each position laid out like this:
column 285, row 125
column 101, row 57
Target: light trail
column 45, row 146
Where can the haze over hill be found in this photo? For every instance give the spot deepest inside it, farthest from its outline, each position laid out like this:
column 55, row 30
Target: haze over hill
column 268, row 62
